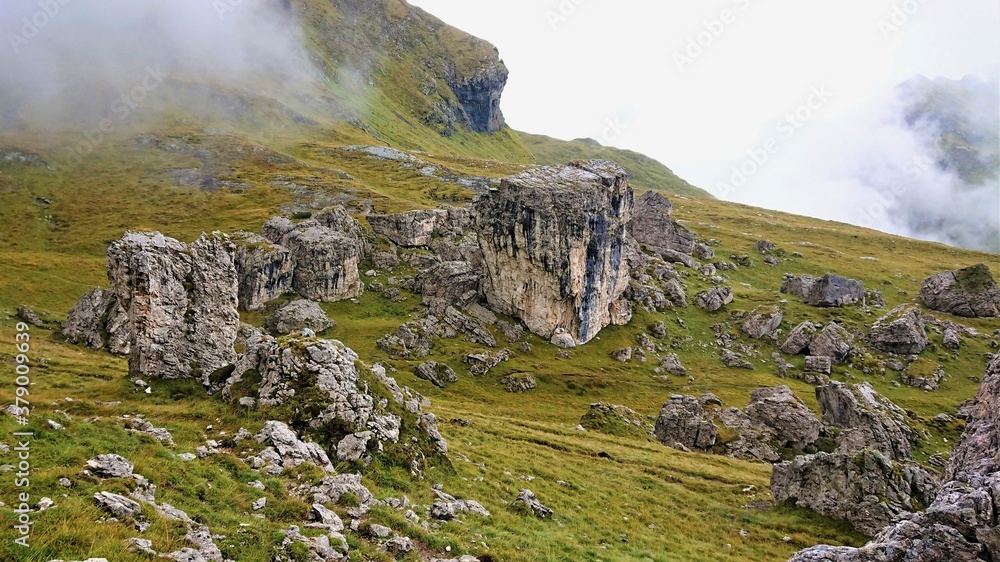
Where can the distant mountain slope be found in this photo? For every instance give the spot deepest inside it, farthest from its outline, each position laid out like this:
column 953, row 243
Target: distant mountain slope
column 644, row 172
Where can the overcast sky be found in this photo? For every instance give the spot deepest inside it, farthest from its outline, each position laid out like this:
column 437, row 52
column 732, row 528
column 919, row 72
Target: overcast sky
column 699, row 84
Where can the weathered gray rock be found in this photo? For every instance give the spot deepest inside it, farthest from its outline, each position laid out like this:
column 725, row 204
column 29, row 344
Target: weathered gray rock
column 900, row 332
column 762, row 321
column 869, row 420
column 297, row 315
column 438, row 374
column 828, row 291
column 409, row 230
column 819, row 364
column 450, row 280
column 952, row 339
column 110, row 466
column 409, row 340
column 265, row 270
column 98, row 321
column 912, row 376
column 180, row 301
column 482, row 361
column 971, row 292
column 792, row 422
column 833, row 341
column 874, row 298
column 800, row 337
column 291, row 450
column 714, row 299
column 553, row 240
column 671, row 363
column 326, row 262
column 332, row 398
column 653, row 226
column 615, row 419
column 116, row 505
column 527, row 498
column 447, row 507
column 734, row 360
column 682, row 424
column 962, row 524
column 866, row 488
column 353, row 446
column 518, row 382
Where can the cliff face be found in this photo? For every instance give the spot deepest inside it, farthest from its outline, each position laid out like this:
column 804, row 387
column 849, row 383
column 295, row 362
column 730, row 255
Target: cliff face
column 552, row 240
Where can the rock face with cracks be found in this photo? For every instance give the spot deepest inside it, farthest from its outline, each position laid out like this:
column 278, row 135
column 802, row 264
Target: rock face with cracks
column 971, row 292
column 900, row 332
column 553, row 240
column 180, row 301
column 98, row 321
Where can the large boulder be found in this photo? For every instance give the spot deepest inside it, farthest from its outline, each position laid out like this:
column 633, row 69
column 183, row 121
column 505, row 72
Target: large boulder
column 800, row 337
column 971, row 292
column 418, row 228
column 900, row 332
column 834, row 341
column 682, row 424
column 553, row 241
column 316, row 386
column 654, row 228
column 98, row 321
column 791, row 421
column 868, row 419
column 180, row 301
column 265, row 270
column 762, row 321
column 449, row 280
column 828, row 291
column 865, row 488
column 297, row 315
column 962, row 524
column 714, row 298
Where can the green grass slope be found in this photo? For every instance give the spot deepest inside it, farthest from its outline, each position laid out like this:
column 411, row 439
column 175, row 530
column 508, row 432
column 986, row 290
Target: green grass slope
column 644, row 172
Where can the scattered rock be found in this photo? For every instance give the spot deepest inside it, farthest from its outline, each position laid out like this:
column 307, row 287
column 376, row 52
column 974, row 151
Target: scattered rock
column 110, row 466
column 438, row 374
column 828, row 291
column 971, row 292
column 952, row 339
column 819, row 364
column 799, row 338
column 671, row 363
column 834, row 342
column 681, row 423
column 874, row 298
column 116, row 505
column 734, row 360
column 900, row 332
column 298, row 315
column 518, row 382
column 622, row 355
column 778, row 409
column 527, row 498
column 447, row 507
column 762, row 321
column 714, row 299
column 617, row 420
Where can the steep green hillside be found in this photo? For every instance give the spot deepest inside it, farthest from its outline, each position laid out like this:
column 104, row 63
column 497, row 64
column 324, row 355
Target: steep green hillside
column 644, row 172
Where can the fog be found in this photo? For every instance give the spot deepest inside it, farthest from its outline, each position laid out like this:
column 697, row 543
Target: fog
column 72, row 63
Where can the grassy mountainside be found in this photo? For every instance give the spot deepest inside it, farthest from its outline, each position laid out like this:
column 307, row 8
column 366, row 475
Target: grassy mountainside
column 644, row 172
column 185, row 167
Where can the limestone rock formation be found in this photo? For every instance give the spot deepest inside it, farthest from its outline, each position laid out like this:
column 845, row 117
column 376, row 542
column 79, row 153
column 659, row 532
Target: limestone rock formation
column 869, row 420
column 527, row 499
column 866, row 488
column 833, row 341
column 450, row 280
column 417, row 228
column 98, row 321
column 297, row 315
column 518, row 382
column 962, row 524
column 800, row 337
column 682, row 424
column 332, row 399
column 180, row 301
column 326, row 260
column 436, row 373
column 828, row 291
column 762, row 321
column 971, row 292
column 778, row 409
column 714, row 299
column 553, row 241
column 265, row 270
column 900, row 332
column 654, row 228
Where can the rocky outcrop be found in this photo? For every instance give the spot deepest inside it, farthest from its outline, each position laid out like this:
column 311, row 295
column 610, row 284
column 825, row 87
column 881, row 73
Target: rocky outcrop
column 418, row 228
column 298, row 315
column 790, row 421
column 264, row 269
column 98, row 321
column 800, row 337
column 654, row 228
column 971, row 292
column 518, row 382
column 526, row 498
column 450, row 281
column 868, row 419
column 326, row 260
column 714, row 299
column 867, row 488
column 479, row 92
column 900, row 332
column 962, row 524
column 552, row 240
column 682, row 424
column 762, row 321
column 436, row 373
column 180, row 301
column 332, row 399
column 828, row 291
column 834, row 341
column 615, row 419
